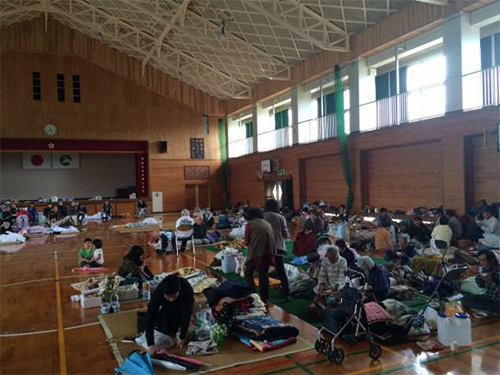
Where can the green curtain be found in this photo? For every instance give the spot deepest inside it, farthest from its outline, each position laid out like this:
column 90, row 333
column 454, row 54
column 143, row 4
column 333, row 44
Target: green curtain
column 343, row 142
column 224, row 164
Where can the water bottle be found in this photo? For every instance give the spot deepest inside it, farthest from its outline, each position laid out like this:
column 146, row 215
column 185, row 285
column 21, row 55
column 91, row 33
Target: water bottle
column 146, row 290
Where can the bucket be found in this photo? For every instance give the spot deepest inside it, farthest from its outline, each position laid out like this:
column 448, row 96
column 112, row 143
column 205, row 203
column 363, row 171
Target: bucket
column 228, row 263
column 456, row 329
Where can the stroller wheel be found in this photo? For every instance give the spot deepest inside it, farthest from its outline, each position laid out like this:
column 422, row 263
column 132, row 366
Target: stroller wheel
column 331, row 355
column 317, row 345
column 339, row 356
column 375, row 351
column 326, row 347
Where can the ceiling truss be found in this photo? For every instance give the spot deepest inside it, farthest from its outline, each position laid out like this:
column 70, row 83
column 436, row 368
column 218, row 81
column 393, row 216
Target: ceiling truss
column 222, row 47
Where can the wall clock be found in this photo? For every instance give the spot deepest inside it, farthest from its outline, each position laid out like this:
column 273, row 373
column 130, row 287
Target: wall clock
column 50, row 130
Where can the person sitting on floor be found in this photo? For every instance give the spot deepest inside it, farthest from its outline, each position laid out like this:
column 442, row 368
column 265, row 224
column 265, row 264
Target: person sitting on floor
column 332, row 274
column 81, row 212
column 142, row 208
column 98, row 256
column 403, row 253
column 184, row 235
column 86, row 254
column 170, row 311
column 72, row 209
column 200, row 231
column 47, row 212
column 419, row 231
column 346, row 253
column 13, row 209
column 442, row 232
column 455, row 224
column 280, row 230
column 489, row 279
column 377, row 278
column 32, row 215
column 223, row 222
column 208, row 218
column 54, row 215
column 107, row 211
column 62, row 211
column 314, row 224
column 383, row 241
column 22, row 220
column 489, row 223
column 134, row 267
column 261, row 253
column 7, row 215
column 382, row 218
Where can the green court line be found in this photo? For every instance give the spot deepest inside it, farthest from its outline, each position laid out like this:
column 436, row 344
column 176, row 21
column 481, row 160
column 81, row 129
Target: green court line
column 451, row 354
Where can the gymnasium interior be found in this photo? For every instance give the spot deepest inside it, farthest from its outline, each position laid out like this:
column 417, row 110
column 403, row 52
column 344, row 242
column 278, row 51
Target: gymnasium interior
column 249, row 186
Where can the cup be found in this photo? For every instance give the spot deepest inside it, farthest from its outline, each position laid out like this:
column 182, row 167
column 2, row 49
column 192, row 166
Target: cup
column 453, row 346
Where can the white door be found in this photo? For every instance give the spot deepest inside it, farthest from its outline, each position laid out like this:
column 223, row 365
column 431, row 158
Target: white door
column 157, row 201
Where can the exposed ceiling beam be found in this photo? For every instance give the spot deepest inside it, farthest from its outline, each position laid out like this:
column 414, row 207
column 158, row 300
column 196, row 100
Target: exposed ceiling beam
column 20, row 10
column 293, row 29
column 279, row 63
column 434, row 2
column 167, row 46
column 179, row 15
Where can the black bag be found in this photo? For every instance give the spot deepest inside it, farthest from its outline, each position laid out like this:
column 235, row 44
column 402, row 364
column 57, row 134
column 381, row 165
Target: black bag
column 141, row 322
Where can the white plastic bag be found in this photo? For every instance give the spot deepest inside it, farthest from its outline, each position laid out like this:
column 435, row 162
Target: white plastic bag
column 292, row 272
column 431, row 318
column 162, row 341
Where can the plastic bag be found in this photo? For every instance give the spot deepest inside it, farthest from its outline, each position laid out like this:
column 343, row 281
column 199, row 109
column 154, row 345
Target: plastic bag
column 205, row 323
column 292, row 272
column 431, row 318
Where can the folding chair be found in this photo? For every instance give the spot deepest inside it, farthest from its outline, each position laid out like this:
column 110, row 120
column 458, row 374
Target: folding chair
column 184, row 228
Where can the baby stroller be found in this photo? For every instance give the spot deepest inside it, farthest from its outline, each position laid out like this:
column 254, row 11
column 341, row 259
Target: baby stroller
column 349, row 316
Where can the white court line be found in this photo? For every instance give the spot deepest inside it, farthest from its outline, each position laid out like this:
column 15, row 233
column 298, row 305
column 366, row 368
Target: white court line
column 48, row 331
column 26, row 282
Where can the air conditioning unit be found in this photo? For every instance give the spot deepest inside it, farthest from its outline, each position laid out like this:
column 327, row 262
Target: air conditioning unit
column 265, row 166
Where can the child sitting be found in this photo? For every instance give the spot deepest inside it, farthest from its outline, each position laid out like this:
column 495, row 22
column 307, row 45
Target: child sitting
column 200, row 231
column 107, row 211
column 98, row 256
column 86, row 254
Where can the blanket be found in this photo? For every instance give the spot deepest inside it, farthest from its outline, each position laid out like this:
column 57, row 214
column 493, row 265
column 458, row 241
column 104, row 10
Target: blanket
column 11, row 237
column 264, row 327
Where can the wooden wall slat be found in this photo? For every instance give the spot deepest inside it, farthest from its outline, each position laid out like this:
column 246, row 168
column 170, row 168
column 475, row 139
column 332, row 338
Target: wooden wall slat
column 325, row 180
column 486, row 170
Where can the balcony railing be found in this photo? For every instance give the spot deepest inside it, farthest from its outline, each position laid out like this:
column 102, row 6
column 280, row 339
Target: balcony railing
column 275, row 139
column 240, row 147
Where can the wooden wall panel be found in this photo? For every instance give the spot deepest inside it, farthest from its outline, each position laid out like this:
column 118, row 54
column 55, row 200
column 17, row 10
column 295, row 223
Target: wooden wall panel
column 60, row 39
column 486, row 170
column 324, row 180
column 405, row 177
column 168, row 176
column 448, row 131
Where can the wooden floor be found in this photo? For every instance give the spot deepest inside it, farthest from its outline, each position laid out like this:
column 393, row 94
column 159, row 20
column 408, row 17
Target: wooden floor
column 39, row 335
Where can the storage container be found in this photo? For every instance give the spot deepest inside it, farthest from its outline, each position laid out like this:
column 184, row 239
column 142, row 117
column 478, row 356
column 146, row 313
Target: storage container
column 457, row 328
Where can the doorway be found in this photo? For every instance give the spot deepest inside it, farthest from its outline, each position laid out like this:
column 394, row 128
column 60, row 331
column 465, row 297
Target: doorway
column 197, row 195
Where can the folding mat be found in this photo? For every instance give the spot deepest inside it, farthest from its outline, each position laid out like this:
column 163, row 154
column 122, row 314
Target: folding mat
column 231, row 352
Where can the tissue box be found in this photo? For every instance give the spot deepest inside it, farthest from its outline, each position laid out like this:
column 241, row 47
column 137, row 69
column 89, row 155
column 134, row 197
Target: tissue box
column 89, row 302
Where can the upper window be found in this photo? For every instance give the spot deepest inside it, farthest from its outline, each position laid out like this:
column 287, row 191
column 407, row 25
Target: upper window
column 76, row 88
column 281, row 119
column 61, row 94
column 206, row 125
column 249, row 129
column 490, row 51
column 386, row 83
column 37, row 86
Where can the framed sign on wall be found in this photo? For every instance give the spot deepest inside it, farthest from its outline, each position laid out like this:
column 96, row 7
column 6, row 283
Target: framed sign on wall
column 197, row 148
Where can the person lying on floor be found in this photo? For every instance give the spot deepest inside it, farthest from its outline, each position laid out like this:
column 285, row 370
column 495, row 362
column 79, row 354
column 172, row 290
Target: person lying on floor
column 170, row 311
column 403, row 252
column 200, row 231
column 489, row 279
column 261, row 253
column 377, row 278
column 86, row 255
column 442, row 232
column 134, row 267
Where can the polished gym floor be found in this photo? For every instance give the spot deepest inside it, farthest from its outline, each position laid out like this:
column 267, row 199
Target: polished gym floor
column 43, row 332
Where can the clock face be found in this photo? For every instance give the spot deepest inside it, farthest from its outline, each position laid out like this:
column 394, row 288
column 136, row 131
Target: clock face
column 50, row 130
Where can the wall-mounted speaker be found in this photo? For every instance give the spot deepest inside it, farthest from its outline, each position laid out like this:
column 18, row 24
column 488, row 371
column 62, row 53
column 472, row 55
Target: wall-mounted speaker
column 163, row 147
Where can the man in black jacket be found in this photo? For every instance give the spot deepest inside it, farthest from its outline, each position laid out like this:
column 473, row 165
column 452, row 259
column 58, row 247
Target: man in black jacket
column 169, row 310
